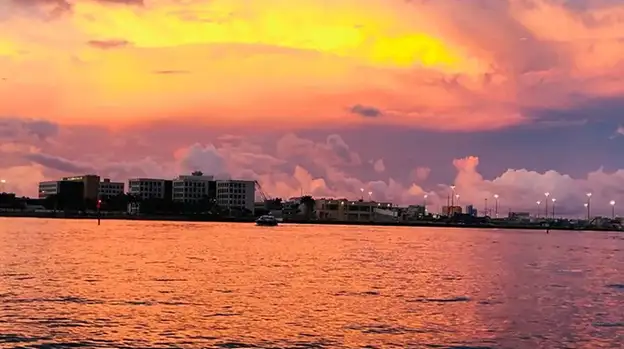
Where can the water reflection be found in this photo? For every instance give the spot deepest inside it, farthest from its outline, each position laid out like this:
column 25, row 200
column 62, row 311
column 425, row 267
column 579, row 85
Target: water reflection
column 164, row 285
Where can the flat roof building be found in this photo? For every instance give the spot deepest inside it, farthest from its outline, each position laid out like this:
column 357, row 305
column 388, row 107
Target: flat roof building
column 150, row 188
column 353, row 211
column 91, row 184
column 236, row 194
column 193, row 188
column 110, row 189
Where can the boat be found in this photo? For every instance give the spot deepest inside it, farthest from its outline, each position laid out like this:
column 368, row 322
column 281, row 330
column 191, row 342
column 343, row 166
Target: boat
column 266, row 220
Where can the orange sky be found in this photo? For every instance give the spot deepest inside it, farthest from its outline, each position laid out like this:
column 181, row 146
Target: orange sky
column 303, row 63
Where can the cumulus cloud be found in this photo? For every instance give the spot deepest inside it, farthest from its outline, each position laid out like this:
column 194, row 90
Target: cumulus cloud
column 328, row 176
column 379, row 166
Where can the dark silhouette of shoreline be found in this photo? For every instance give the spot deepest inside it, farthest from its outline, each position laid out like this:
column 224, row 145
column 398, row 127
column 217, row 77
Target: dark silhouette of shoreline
column 204, row 218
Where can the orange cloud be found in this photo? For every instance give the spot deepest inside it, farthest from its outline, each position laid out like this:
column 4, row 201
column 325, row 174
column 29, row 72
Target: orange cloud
column 437, row 65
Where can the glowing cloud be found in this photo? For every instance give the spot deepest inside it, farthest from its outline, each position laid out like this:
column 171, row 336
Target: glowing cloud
column 443, row 65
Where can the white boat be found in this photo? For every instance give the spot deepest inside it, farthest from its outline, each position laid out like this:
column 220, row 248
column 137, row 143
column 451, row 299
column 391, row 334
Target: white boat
column 266, row 220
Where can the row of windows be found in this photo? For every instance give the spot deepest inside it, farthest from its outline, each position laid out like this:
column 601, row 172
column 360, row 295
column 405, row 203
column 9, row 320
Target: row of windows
column 233, row 184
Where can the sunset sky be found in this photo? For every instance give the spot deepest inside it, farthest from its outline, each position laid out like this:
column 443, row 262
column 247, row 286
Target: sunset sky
column 401, row 98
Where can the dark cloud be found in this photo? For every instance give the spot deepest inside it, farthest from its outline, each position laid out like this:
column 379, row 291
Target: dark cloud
column 58, row 7
column 58, row 163
column 595, row 109
column 108, row 44
column 368, row 112
column 16, row 129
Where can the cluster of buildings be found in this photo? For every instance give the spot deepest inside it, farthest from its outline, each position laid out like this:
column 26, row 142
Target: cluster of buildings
column 227, row 193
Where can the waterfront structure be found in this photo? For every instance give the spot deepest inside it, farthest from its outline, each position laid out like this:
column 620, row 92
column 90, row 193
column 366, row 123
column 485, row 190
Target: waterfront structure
column 519, row 216
column 110, row 189
column 451, row 210
column 91, row 184
column 354, row 211
column 236, row 194
column 193, row 188
column 150, row 188
column 414, row 212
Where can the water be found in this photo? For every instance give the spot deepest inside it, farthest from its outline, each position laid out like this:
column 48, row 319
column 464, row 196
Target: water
column 66, row 284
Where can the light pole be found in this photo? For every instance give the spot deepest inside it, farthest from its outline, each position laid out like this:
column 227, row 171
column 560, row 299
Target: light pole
column 457, row 198
column 496, row 205
column 425, row 203
column 452, row 196
column 362, row 197
column 546, row 194
column 553, row 208
column 2, row 183
column 586, row 205
column 589, row 195
column 370, row 196
column 612, row 203
column 538, row 208
column 485, row 210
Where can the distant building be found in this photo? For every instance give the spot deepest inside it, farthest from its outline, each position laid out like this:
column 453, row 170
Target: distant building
column 414, row 212
column 451, row 210
column 110, row 189
column 194, row 188
column 90, row 182
column 354, row 211
column 66, row 194
column 151, row 188
column 471, row 211
column 236, row 194
column 49, row 188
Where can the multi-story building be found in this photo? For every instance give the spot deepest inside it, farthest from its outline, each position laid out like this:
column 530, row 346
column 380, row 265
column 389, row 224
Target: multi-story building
column 194, row 188
column 66, row 194
column 49, row 188
column 110, row 189
column 236, row 194
column 151, row 188
column 91, row 185
column 353, row 211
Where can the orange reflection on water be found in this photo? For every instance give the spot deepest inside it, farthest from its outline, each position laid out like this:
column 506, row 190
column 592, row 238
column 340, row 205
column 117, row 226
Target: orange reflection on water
column 155, row 284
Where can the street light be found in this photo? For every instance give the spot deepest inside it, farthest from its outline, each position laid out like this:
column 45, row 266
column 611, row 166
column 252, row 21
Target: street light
column 2, row 183
column 546, row 194
column 453, row 196
column 553, row 208
column 496, row 207
column 457, row 197
column 538, row 208
column 362, row 197
column 612, row 203
column 589, row 195
column 425, row 202
column 586, row 205
column 370, row 196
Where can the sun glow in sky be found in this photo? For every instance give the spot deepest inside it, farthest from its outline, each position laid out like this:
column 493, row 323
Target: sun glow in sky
column 107, row 61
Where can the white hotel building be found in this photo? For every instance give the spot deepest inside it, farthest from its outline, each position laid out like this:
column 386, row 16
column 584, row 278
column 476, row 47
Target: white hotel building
column 149, row 188
column 236, row 194
column 193, row 188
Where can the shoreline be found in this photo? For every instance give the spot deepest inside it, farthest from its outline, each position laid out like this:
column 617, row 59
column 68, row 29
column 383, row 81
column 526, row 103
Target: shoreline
column 196, row 219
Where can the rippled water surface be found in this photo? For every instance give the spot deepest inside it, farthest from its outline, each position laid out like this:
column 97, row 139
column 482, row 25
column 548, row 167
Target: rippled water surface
column 173, row 285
